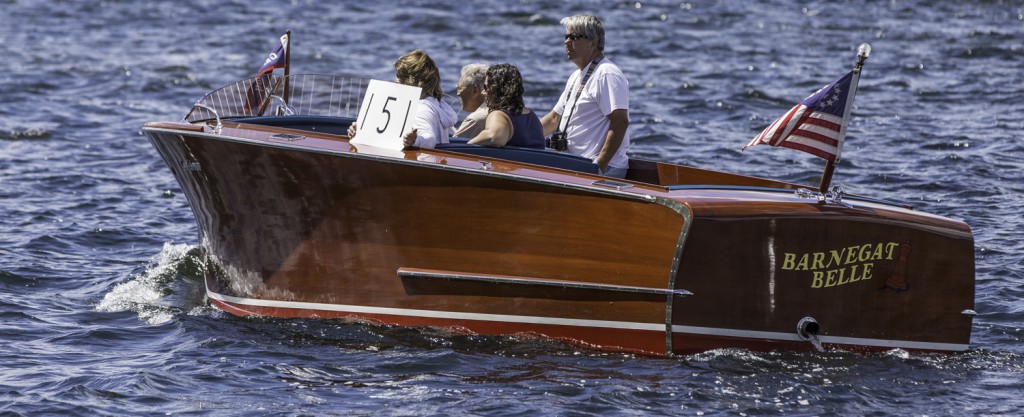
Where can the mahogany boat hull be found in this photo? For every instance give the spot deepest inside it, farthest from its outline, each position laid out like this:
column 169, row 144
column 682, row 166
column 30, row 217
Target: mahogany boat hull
column 318, row 227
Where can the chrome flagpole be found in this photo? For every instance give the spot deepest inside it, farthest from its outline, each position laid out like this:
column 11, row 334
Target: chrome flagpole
column 830, row 166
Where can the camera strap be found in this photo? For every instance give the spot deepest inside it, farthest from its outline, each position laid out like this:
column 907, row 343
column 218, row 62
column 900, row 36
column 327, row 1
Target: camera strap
column 579, row 92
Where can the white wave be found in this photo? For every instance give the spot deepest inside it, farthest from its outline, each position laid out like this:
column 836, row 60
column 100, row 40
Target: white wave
column 144, row 294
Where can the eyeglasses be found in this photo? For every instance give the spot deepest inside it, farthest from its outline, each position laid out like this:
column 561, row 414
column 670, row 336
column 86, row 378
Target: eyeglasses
column 575, row 37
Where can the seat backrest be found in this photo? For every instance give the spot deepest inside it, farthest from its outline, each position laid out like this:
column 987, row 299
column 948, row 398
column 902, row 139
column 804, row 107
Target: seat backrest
column 326, row 124
column 339, row 126
column 543, row 157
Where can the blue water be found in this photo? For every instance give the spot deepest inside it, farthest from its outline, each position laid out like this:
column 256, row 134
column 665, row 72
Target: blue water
column 102, row 309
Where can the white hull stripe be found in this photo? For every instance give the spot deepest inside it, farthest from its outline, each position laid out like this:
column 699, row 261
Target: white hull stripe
column 655, row 327
column 434, row 314
column 832, row 340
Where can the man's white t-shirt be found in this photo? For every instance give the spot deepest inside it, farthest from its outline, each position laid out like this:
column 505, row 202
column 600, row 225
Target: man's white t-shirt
column 587, row 125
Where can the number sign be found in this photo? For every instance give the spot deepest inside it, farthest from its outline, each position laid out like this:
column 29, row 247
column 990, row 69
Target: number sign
column 386, row 114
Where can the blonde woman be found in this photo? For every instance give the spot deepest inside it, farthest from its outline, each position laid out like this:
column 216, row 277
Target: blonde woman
column 434, row 118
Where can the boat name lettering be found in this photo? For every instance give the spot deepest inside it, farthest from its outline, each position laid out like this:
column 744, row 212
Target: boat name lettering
column 840, row 266
column 191, row 166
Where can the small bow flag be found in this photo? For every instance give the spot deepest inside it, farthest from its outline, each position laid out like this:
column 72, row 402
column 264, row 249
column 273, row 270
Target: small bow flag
column 276, row 59
column 817, row 125
column 259, row 90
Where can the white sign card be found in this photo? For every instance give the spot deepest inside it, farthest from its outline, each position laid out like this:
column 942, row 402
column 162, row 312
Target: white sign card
column 386, row 114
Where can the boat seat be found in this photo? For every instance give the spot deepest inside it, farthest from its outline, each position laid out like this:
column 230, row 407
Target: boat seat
column 339, row 126
column 327, row 124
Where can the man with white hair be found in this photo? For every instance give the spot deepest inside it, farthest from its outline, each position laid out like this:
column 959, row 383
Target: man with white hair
column 591, row 117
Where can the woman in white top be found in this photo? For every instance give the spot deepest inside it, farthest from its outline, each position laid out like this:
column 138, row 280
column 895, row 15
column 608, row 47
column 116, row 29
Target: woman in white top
column 434, row 118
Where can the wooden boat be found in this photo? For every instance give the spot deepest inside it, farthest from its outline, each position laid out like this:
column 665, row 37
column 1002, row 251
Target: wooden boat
column 296, row 221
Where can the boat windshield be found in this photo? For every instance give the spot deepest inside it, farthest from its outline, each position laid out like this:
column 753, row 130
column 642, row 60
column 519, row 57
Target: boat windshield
column 295, row 95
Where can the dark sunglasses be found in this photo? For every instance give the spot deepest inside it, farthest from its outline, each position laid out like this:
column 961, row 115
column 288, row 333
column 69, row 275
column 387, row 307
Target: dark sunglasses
column 575, row 37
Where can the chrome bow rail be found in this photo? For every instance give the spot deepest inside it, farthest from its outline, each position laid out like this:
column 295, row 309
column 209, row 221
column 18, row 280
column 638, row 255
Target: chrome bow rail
column 269, row 95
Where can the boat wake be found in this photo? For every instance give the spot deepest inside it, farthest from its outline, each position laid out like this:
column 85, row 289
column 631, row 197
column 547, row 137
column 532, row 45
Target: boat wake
column 172, row 284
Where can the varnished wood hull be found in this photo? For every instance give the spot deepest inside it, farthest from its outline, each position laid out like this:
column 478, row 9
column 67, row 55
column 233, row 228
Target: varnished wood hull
column 318, row 228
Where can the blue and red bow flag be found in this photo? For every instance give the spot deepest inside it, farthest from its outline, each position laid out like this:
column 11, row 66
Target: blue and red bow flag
column 276, row 59
column 260, row 88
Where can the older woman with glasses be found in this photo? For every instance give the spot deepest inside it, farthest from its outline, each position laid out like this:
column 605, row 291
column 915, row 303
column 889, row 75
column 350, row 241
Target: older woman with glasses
column 470, row 90
column 591, row 117
column 509, row 121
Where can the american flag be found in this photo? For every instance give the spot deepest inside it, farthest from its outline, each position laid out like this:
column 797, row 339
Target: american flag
column 815, row 125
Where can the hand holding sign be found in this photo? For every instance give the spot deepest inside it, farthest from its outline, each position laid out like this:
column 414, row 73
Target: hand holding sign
column 386, row 115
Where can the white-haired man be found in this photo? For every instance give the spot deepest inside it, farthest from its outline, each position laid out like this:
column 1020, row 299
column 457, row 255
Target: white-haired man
column 592, row 114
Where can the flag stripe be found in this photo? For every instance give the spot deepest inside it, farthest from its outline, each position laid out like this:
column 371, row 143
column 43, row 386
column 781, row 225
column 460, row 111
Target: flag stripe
column 793, row 119
column 809, row 141
column 769, row 133
column 777, row 130
column 810, row 132
column 825, row 120
column 811, row 150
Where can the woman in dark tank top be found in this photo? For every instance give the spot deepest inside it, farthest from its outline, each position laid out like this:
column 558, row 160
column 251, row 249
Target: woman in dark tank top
column 509, row 122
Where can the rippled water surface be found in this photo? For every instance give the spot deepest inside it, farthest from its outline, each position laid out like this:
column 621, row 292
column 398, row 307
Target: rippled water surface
column 102, row 310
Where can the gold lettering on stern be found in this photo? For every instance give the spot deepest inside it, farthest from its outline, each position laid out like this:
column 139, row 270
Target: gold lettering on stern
column 850, row 264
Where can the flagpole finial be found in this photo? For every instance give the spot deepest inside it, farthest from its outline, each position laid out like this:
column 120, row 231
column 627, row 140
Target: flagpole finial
column 863, row 51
